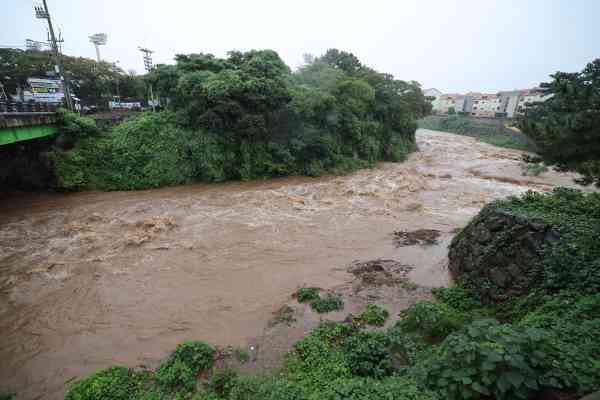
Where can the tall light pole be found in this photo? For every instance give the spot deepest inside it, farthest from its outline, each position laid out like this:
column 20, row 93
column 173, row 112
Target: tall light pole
column 98, row 39
column 148, row 66
column 41, row 12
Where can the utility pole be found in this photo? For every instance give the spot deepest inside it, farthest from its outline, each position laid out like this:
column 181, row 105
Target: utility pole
column 43, row 13
column 148, row 66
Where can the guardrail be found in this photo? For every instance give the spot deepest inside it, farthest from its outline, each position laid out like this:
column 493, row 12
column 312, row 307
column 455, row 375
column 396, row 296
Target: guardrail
column 13, row 107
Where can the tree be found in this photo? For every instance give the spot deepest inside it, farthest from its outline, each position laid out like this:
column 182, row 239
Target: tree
column 566, row 126
column 343, row 60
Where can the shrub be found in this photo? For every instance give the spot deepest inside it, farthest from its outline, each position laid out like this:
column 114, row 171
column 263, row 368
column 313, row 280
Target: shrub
column 114, row 383
column 327, row 304
column 406, row 348
column 74, row 125
column 317, row 360
column 259, row 388
column 373, row 315
column 181, row 368
column 368, row 354
column 457, row 297
column 487, row 359
column 571, row 322
column 222, row 382
column 434, row 321
column 307, row 294
column 394, row 388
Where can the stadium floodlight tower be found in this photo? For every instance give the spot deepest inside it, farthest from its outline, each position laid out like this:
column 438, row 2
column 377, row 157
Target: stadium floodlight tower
column 98, row 39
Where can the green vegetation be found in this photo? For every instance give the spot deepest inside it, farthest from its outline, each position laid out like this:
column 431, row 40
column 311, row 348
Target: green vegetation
column 374, row 315
column 317, row 303
column 248, row 117
column 565, row 126
column 307, row 294
column 181, row 369
column 485, row 359
column 114, row 383
column 488, row 131
column 434, row 321
column 327, row 304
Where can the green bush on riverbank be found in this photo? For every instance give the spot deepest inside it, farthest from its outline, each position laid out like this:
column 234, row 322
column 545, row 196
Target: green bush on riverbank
column 456, row 348
column 248, row 117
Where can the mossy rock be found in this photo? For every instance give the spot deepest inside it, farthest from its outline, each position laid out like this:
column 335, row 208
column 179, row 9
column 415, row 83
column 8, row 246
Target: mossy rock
column 537, row 241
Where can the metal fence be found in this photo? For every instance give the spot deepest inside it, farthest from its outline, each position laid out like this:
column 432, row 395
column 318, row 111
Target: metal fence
column 17, row 107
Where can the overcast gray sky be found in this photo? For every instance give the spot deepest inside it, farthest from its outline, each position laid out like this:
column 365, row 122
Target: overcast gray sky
column 453, row 45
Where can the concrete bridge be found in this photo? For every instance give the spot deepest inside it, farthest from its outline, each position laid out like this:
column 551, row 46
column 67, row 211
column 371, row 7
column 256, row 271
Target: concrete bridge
column 19, row 121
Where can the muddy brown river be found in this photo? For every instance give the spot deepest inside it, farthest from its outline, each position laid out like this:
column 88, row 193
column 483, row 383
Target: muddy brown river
column 91, row 280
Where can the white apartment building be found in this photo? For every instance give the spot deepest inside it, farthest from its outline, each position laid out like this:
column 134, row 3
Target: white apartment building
column 486, row 105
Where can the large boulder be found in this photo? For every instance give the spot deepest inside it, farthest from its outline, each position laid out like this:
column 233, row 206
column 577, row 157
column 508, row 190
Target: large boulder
column 537, row 241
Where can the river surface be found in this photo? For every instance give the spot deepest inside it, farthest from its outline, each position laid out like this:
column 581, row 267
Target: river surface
column 90, row 280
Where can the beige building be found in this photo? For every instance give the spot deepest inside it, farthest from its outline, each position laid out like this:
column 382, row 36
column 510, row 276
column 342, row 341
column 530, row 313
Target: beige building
column 486, row 105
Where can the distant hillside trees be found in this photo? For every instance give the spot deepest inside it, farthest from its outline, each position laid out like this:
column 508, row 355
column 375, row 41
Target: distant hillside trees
column 566, row 127
column 92, row 82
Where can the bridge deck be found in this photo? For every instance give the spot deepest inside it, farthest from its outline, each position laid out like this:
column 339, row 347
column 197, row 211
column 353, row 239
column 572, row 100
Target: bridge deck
column 21, row 133
column 17, row 125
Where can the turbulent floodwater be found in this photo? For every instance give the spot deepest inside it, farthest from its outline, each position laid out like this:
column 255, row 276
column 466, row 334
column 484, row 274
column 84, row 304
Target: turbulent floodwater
column 94, row 279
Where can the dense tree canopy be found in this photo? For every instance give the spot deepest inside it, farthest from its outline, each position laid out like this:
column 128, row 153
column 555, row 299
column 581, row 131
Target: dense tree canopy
column 566, row 127
column 94, row 83
column 257, row 119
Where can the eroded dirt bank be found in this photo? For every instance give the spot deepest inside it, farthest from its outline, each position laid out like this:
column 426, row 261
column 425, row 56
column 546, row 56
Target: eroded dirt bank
column 95, row 279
